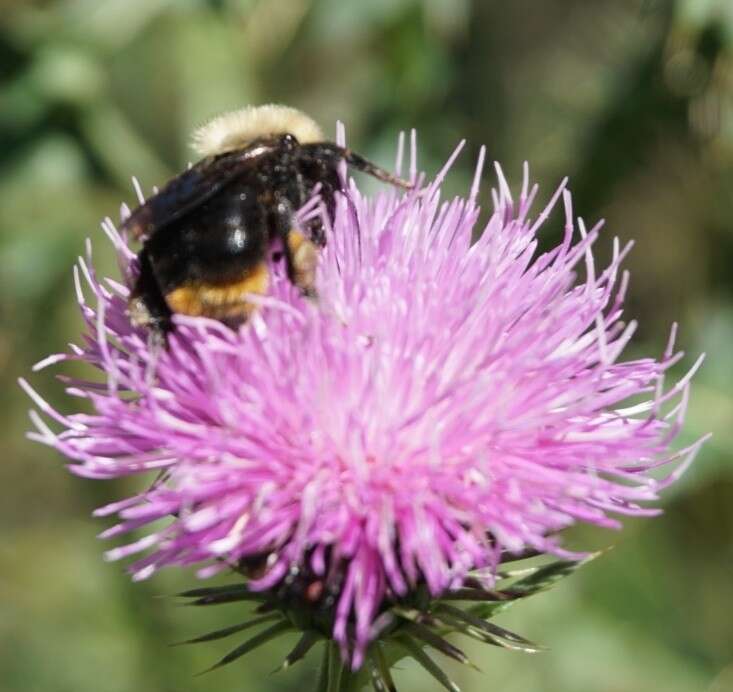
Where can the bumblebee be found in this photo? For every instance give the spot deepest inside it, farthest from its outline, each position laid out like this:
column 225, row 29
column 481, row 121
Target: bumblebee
column 209, row 235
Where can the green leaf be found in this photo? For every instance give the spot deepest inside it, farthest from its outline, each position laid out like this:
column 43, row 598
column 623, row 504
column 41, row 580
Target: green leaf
column 412, row 614
column 503, row 575
column 547, row 576
column 534, row 580
column 489, row 610
column 474, row 626
column 468, row 594
column 523, row 555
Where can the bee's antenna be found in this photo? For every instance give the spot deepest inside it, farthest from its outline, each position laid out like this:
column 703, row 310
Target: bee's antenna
column 335, row 151
column 361, row 164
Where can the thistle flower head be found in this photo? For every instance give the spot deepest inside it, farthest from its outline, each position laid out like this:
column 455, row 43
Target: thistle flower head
column 452, row 397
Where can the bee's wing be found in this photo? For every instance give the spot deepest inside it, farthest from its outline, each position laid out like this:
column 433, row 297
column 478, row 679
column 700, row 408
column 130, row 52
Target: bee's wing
column 190, row 189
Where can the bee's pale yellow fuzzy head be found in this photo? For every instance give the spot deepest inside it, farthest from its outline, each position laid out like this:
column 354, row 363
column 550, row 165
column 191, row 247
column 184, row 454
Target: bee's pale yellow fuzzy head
column 236, row 129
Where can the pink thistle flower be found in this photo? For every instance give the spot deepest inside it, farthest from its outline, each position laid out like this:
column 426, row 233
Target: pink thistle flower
column 443, row 404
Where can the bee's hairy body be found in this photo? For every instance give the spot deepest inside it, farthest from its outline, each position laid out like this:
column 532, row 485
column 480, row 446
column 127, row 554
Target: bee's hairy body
column 207, row 235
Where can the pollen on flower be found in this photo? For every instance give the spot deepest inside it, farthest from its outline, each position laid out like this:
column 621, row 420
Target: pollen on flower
column 443, row 402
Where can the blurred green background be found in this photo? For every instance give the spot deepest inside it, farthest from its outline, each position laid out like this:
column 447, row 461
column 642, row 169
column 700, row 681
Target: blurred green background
column 631, row 99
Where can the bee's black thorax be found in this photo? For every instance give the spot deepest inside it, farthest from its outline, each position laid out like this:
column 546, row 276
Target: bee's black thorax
column 207, row 234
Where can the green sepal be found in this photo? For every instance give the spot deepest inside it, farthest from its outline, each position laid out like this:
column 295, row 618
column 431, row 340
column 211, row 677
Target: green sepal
column 417, row 622
column 420, row 627
column 430, row 638
column 474, row 626
column 214, row 595
column 415, row 651
column 228, row 631
column 309, row 639
column 335, row 668
column 258, row 640
column 380, row 673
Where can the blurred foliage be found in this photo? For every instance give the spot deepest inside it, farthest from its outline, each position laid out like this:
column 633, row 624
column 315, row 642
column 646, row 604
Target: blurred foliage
column 631, row 98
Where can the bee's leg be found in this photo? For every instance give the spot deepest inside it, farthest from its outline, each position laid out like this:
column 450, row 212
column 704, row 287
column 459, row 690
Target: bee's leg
column 146, row 306
column 301, row 255
column 328, row 183
column 316, row 232
column 327, row 193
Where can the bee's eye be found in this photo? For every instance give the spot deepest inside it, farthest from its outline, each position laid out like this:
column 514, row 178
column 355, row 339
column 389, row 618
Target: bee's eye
column 289, row 139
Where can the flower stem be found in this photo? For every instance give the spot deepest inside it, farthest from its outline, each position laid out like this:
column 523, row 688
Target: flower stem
column 323, row 671
column 334, row 675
